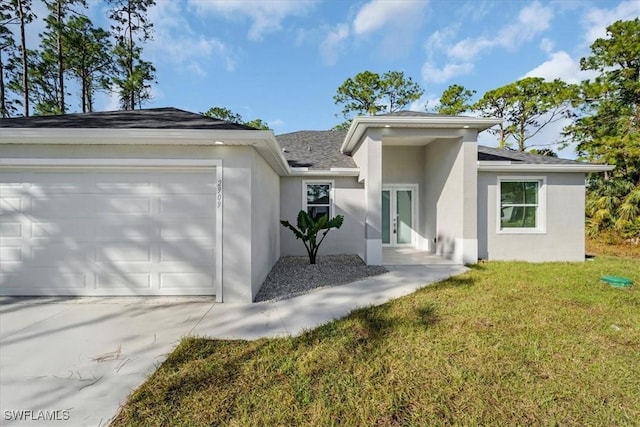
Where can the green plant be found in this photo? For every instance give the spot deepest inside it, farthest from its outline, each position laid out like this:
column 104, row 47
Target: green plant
column 308, row 230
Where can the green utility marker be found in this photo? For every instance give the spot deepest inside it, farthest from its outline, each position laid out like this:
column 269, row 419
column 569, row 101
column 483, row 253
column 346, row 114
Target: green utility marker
column 617, row 282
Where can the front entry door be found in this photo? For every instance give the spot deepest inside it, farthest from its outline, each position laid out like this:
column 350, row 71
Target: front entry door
column 398, row 207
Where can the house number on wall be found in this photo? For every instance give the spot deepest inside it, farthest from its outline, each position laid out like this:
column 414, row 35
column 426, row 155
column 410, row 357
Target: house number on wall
column 219, row 194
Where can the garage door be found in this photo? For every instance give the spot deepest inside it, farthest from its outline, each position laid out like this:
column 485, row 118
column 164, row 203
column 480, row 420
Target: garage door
column 106, row 231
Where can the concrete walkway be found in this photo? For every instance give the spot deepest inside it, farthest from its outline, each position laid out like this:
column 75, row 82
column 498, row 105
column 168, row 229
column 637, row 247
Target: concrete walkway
column 82, row 357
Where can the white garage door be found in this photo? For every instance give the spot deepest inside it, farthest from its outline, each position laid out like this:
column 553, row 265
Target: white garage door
column 109, row 231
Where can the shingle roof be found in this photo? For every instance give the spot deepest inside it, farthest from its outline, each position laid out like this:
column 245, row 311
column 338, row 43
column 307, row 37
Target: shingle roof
column 153, row 118
column 315, row 149
column 496, row 154
column 321, row 150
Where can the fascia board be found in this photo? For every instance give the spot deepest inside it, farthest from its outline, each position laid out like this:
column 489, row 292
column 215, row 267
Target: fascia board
column 586, row 168
column 128, row 136
column 361, row 123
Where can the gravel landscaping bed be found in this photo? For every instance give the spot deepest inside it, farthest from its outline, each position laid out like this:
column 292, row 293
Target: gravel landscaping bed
column 293, row 275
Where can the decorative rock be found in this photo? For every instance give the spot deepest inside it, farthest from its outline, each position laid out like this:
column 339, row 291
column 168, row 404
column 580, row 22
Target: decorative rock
column 293, row 275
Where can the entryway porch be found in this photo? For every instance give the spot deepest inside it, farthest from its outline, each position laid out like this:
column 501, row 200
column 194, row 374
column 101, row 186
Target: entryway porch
column 412, row 256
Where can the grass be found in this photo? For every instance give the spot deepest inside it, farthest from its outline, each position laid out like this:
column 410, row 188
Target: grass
column 504, row 344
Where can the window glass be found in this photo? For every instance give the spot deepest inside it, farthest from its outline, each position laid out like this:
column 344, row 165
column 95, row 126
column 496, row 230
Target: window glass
column 318, row 200
column 318, row 194
column 519, row 204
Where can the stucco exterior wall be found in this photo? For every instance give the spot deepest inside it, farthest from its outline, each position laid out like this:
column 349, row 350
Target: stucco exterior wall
column 444, row 213
column 563, row 239
column 241, row 273
column 348, row 201
column 450, row 198
column 265, row 221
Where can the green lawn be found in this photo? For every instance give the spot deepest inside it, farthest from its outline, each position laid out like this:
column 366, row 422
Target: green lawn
column 504, row 344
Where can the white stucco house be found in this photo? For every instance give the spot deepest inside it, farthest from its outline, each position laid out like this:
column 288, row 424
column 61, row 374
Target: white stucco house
column 167, row 202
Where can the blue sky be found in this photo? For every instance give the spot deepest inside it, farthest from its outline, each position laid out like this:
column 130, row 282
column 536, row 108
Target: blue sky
column 282, row 61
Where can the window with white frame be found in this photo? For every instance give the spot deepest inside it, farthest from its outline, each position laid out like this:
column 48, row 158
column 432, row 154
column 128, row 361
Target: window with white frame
column 521, row 204
column 318, row 198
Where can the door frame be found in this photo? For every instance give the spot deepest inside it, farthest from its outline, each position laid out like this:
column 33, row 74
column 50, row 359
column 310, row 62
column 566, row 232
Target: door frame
column 414, row 213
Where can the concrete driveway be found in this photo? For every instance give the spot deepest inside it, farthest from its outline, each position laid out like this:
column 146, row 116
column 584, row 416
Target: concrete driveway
column 82, row 357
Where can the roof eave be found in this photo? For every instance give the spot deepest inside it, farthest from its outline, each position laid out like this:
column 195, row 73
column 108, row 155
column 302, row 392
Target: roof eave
column 262, row 140
column 528, row 167
column 361, row 123
column 325, row 172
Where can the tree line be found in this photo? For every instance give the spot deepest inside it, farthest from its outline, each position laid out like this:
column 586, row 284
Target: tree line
column 73, row 54
column 603, row 113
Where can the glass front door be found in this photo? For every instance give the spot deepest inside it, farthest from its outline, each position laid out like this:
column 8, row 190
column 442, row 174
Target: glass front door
column 398, row 205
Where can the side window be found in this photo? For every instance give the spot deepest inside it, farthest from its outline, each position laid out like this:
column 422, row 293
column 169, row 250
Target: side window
column 318, row 198
column 521, row 202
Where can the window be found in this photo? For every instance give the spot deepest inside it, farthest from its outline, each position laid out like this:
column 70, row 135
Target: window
column 318, row 198
column 521, row 202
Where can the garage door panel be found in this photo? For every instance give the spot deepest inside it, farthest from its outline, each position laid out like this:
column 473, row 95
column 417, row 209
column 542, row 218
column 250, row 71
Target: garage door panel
column 10, row 229
column 9, row 205
column 57, row 254
column 132, row 281
column 43, row 282
column 184, row 203
column 10, row 254
column 111, row 232
column 77, row 230
column 133, row 229
column 201, row 229
column 62, row 206
column 114, row 205
column 183, row 280
column 185, row 182
column 59, row 183
column 196, row 254
column 125, row 252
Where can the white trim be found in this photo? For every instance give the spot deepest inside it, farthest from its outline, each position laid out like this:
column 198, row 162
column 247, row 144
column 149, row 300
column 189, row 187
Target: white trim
column 541, row 214
column 114, row 163
column 111, row 162
column 415, row 214
column 512, row 167
column 332, row 185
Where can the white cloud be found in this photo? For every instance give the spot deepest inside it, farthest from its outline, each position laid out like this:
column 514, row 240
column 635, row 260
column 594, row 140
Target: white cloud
column 333, row 43
column 546, row 45
column 440, row 40
column 176, row 42
column 431, row 73
column 397, row 23
column 265, row 16
column 532, row 20
column 597, row 20
column 561, row 65
column 377, row 14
